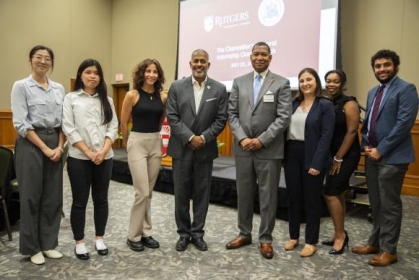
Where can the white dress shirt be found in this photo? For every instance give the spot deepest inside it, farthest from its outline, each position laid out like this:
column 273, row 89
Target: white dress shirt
column 83, row 121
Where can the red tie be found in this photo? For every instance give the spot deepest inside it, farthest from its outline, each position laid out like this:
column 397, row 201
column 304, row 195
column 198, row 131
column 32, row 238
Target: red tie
column 372, row 135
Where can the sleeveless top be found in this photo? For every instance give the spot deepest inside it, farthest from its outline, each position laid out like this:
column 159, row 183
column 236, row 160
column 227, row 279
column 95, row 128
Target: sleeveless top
column 147, row 112
column 340, row 127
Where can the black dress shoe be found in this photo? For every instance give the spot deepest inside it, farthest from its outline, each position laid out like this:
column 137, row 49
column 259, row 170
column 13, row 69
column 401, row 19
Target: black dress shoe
column 150, row 242
column 182, row 243
column 102, row 252
column 83, row 257
column 199, row 244
column 135, row 246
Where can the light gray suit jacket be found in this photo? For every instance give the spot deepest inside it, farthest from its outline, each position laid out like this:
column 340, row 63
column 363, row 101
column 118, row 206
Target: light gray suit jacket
column 265, row 120
column 185, row 122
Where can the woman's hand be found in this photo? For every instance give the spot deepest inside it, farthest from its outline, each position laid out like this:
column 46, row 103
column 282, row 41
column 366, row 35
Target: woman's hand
column 335, row 168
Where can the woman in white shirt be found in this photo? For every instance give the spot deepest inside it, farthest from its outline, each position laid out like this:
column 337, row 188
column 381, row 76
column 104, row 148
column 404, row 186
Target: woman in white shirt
column 91, row 125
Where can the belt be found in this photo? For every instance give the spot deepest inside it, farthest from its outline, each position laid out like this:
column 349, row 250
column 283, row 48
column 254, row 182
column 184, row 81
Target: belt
column 47, row 130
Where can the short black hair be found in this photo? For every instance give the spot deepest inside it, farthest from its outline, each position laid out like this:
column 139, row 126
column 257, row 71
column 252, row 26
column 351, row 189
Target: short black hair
column 261, row 44
column 386, row 54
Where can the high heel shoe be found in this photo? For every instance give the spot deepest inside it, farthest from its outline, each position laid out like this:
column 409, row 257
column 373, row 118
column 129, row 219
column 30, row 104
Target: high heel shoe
column 333, row 251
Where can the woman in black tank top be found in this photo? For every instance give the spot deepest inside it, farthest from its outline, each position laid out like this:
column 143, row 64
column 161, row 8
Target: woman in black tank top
column 145, row 106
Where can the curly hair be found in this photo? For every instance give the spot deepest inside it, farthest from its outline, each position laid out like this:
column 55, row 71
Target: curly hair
column 386, row 54
column 139, row 71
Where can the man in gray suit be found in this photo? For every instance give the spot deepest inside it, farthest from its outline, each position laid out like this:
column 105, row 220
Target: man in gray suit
column 197, row 113
column 259, row 111
column 392, row 107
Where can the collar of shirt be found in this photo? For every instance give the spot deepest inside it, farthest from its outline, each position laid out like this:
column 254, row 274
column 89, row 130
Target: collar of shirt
column 263, row 74
column 81, row 91
column 195, row 83
column 33, row 82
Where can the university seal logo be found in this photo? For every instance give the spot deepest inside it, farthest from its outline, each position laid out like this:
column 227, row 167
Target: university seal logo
column 270, row 12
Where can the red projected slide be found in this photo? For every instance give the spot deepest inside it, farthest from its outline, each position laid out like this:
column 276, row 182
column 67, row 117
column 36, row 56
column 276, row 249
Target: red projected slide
column 227, row 30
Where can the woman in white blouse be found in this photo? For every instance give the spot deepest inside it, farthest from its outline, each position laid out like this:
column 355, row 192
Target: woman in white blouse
column 91, row 125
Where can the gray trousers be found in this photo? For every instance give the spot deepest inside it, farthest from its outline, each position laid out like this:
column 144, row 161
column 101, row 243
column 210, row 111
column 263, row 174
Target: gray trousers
column 384, row 188
column 252, row 172
column 41, row 194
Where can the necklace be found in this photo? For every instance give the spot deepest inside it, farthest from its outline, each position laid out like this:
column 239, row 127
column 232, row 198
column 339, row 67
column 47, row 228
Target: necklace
column 150, row 94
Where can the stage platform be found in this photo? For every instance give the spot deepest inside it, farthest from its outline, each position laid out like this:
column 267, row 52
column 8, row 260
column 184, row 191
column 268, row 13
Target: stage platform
column 223, row 186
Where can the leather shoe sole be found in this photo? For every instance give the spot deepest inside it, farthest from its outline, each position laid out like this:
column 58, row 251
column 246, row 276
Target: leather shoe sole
column 83, row 257
column 135, row 246
column 238, row 242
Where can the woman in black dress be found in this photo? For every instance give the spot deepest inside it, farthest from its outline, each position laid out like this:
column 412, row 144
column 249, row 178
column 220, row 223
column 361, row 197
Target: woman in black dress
column 345, row 150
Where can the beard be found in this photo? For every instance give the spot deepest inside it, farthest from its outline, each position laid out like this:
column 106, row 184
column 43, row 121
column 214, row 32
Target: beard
column 389, row 77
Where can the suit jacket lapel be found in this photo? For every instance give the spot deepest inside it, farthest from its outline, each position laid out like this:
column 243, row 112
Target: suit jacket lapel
column 249, row 85
column 389, row 92
column 204, row 95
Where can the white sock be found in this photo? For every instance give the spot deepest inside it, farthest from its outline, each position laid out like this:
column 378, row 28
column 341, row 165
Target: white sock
column 81, row 248
column 100, row 245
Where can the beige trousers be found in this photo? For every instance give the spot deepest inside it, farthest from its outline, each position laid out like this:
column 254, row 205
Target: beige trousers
column 144, row 160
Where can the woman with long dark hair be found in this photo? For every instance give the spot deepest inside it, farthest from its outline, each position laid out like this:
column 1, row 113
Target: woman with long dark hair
column 37, row 104
column 145, row 104
column 91, row 125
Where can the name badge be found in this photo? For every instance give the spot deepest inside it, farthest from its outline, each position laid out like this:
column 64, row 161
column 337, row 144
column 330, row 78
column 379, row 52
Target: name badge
column 268, row 98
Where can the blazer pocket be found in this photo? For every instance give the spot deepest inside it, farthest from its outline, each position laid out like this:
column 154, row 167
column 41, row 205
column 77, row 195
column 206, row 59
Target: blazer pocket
column 211, row 99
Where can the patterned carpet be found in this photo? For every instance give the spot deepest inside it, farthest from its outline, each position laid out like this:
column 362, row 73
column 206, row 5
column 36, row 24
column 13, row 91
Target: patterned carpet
column 217, row 262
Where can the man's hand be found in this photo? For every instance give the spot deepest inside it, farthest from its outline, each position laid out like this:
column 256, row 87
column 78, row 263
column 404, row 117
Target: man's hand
column 251, row 144
column 196, row 143
column 372, row 153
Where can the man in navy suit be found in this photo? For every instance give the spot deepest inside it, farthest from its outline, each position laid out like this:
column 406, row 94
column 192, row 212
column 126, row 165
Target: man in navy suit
column 392, row 108
column 197, row 113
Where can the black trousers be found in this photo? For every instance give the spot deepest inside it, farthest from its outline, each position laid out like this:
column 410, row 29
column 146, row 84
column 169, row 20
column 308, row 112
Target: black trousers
column 82, row 175
column 192, row 179
column 304, row 192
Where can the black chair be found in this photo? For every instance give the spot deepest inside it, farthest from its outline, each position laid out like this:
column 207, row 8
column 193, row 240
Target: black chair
column 6, row 169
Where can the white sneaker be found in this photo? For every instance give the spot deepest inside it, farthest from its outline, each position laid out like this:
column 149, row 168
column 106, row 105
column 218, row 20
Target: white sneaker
column 52, row 254
column 38, row 258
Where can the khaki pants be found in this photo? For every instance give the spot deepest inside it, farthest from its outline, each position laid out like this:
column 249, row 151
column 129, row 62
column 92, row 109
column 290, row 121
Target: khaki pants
column 144, row 160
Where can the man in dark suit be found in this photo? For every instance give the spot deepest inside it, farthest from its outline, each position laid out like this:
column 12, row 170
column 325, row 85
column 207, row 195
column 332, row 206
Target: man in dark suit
column 386, row 138
column 197, row 113
column 259, row 111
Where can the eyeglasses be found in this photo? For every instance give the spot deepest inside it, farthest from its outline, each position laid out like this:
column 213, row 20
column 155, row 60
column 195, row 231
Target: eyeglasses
column 40, row 58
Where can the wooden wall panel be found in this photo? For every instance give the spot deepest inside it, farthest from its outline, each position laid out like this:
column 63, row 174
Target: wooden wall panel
column 7, row 131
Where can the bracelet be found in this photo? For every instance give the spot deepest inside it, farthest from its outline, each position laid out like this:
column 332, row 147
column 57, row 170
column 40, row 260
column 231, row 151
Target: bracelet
column 61, row 149
column 337, row 160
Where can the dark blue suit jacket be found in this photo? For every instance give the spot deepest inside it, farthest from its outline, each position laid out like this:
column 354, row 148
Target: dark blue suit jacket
column 318, row 133
column 398, row 111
